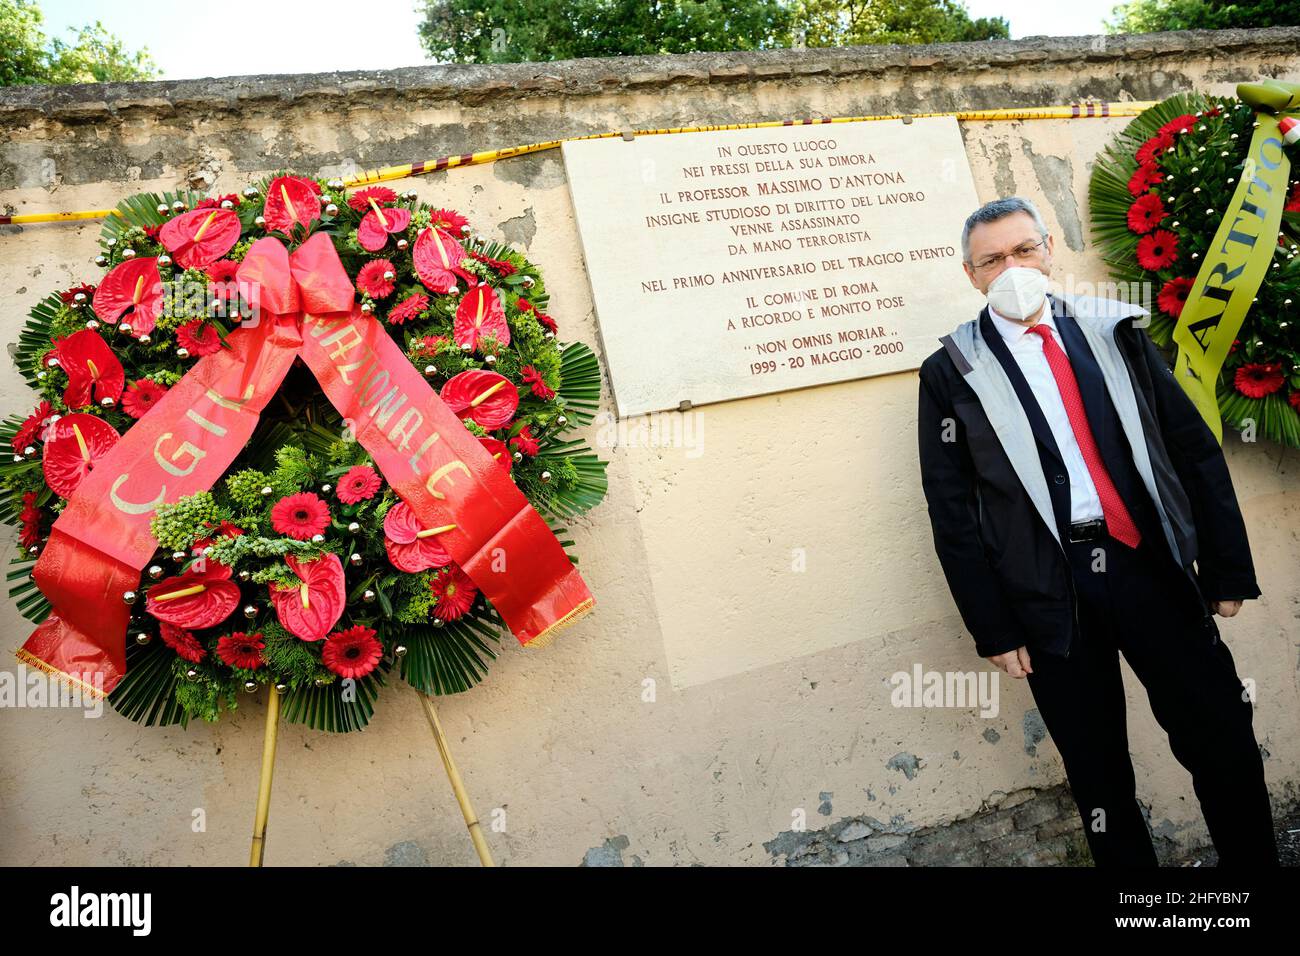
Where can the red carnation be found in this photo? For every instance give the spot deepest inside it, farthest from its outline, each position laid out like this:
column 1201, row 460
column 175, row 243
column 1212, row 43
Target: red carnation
column 141, row 396
column 1257, row 380
column 182, row 642
column 198, row 338
column 1157, row 251
column 1174, row 294
column 534, row 378
column 1144, row 177
column 30, row 533
column 241, row 650
column 525, row 442
column 300, row 516
column 33, row 429
column 448, row 219
column 359, row 484
column 360, row 200
column 372, row 281
column 1145, row 214
column 352, row 653
column 1154, row 148
column 455, row 592
column 408, row 308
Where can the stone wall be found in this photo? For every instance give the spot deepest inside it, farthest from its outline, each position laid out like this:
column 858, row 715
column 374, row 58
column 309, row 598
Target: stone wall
column 769, row 737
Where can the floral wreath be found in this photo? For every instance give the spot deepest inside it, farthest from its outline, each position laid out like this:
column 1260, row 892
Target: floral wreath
column 1157, row 196
column 256, row 565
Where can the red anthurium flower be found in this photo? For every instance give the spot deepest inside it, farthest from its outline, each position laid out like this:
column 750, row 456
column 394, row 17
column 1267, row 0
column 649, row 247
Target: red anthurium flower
column 1174, row 295
column 498, row 450
column 378, row 224
column 1145, row 214
column 437, row 257
column 480, row 313
column 34, row 428
column 1256, row 380
column 315, row 605
column 290, row 201
column 360, row 200
column 75, row 444
column 94, row 372
column 525, row 442
column 486, row 397
column 455, row 591
column 539, row 386
column 184, row 643
column 131, row 292
column 353, row 653
column 410, row 546
column 198, row 238
column 203, row 596
column 141, row 397
column 242, row 650
column 1157, row 250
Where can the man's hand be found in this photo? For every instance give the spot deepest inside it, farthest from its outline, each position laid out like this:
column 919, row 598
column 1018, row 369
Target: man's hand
column 1226, row 608
column 1014, row 663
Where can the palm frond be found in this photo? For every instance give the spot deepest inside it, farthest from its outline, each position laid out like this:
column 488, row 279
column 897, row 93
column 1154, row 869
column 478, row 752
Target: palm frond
column 448, row 659
column 323, row 708
column 34, row 338
column 141, row 210
column 579, row 383
column 147, row 694
column 592, row 483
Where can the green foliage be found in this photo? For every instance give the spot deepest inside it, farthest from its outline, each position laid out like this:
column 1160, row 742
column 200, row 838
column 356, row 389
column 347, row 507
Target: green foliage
column 93, row 56
column 828, row 23
column 1153, row 16
column 177, row 526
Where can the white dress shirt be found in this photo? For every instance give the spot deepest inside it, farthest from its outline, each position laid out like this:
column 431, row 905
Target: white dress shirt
column 1027, row 350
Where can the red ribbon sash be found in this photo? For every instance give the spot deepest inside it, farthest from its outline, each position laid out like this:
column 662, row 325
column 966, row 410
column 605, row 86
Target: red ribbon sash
column 101, row 541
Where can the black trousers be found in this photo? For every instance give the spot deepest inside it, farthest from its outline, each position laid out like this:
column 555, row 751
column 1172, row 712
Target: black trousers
column 1137, row 606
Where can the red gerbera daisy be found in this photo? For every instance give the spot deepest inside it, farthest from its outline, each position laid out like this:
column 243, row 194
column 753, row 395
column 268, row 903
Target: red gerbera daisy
column 1154, row 148
column 1293, row 200
column 1144, row 177
column 1257, row 380
column 182, row 642
column 198, row 338
column 1174, row 294
column 141, row 396
column 33, row 429
column 1145, row 214
column 525, row 442
column 352, row 653
column 1157, row 251
column 359, row 484
column 408, row 308
column 1179, row 124
column 534, row 378
column 241, row 650
column 360, row 200
column 455, row 591
column 30, row 517
column 300, row 516
column 71, row 295
column 449, row 220
column 372, row 279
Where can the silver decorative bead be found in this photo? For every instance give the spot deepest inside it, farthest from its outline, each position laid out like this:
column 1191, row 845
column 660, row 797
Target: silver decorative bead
column 529, row 282
column 401, row 245
column 244, row 575
column 227, row 204
column 31, row 449
column 106, row 401
column 430, row 371
column 367, row 308
column 40, row 376
column 129, row 597
column 545, row 477
column 250, row 685
column 178, row 206
column 368, row 595
column 317, row 538
column 250, row 610
column 438, row 622
column 250, row 192
column 164, row 260
column 326, row 197
column 182, row 353
column 192, row 674
column 101, row 261
column 110, row 242
column 412, row 195
column 490, row 359
column 465, row 230
column 92, row 324
column 266, row 489
column 331, row 210
column 125, row 328
column 52, row 362
column 79, row 297
column 142, row 638
column 399, row 650
column 144, row 339
column 356, row 558
column 34, row 549
column 354, row 527
column 178, row 555
column 18, row 458
column 155, row 571
column 390, row 275
column 518, row 457
column 335, row 183
column 128, row 253
column 548, row 335
column 561, row 420
column 281, row 686
column 163, row 209
column 325, row 489
column 260, row 222
column 320, row 682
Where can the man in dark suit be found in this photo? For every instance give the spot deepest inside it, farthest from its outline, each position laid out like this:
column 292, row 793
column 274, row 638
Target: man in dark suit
column 1082, row 508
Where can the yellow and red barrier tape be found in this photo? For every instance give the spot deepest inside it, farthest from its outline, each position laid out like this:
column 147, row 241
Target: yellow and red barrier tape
column 1085, row 110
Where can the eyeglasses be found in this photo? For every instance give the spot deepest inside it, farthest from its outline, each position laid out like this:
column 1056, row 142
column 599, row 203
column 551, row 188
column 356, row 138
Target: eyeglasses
column 1025, row 252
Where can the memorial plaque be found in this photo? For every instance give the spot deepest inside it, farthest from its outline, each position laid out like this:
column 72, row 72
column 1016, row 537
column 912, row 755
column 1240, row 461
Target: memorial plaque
column 741, row 262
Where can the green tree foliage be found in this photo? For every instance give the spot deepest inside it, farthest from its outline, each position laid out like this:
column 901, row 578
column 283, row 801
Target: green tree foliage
column 514, row 31
column 1153, row 16
column 93, row 56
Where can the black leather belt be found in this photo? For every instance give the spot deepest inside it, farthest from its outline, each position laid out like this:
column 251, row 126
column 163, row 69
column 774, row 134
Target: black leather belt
column 1088, row 530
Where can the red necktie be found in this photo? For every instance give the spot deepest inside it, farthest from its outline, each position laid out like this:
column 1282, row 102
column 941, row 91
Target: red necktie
column 1119, row 523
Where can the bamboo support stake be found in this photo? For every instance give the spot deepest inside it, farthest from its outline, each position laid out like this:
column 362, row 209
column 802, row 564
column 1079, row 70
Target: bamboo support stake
column 264, row 784
column 457, row 785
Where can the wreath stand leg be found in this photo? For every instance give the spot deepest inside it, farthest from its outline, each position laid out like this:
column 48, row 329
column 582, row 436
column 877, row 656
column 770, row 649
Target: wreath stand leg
column 457, row 785
column 264, row 784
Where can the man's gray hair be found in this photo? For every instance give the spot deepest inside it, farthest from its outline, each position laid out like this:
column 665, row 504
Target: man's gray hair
column 999, row 209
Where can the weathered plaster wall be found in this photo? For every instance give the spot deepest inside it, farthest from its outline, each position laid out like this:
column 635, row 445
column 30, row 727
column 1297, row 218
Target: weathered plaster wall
column 771, row 686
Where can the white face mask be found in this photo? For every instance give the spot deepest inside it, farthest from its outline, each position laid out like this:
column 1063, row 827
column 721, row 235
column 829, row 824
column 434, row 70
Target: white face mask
column 1018, row 292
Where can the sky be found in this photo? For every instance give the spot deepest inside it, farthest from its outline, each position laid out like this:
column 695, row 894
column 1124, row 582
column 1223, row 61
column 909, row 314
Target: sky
column 240, row 37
